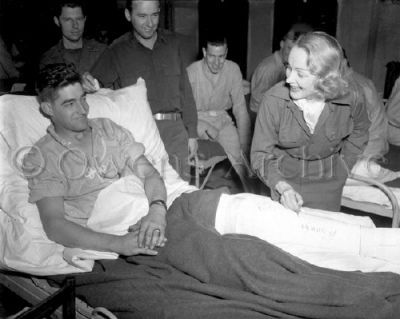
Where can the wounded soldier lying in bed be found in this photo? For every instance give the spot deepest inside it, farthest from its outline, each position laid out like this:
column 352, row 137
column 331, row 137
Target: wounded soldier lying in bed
column 79, row 159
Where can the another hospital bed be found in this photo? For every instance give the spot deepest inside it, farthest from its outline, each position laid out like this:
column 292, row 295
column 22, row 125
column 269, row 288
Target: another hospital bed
column 369, row 205
column 375, row 188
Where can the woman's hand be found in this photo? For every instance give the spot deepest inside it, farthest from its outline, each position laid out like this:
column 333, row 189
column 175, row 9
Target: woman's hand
column 291, row 199
column 288, row 196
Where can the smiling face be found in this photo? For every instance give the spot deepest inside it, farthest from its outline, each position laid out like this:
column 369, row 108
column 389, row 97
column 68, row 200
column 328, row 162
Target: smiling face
column 72, row 23
column 144, row 17
column 298, row 76
column 215, row 56
column 68, row 110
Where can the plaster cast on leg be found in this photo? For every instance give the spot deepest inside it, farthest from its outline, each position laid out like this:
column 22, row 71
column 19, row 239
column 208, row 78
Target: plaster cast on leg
column 305, row 233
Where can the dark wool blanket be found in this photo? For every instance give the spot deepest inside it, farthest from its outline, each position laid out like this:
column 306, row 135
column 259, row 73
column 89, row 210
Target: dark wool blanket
column 201, row 274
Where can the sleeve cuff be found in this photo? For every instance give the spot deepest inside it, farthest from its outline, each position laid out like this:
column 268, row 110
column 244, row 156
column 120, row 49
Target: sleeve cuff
column 192, row 132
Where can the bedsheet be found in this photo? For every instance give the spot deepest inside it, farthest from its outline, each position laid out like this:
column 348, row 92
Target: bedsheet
column 201, row 274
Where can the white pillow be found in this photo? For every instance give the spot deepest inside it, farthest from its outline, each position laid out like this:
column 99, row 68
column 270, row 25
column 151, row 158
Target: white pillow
column 23, row 243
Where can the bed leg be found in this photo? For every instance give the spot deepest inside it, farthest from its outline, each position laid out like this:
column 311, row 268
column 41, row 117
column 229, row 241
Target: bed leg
column 64, row 297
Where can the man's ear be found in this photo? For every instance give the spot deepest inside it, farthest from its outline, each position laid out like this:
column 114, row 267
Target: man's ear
column 128, row 15
column 56, row 21
column 46, row 108
column 282, row 44
column 204, row 52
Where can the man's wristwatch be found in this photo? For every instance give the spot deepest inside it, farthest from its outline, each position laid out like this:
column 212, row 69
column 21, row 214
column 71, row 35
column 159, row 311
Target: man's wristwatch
column 160, row 202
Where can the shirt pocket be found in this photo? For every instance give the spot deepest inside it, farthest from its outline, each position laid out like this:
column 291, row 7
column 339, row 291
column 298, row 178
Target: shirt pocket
column 170, row 69
column 290, row 135
column 172, row 79
column 336, row 132
column 167, row 63
column 129, row 73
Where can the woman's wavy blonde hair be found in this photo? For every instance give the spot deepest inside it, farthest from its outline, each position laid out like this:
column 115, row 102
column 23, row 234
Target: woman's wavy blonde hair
column 327, row 62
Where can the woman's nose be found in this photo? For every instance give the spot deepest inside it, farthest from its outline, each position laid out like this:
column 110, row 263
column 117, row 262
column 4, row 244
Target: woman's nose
column 289, row 76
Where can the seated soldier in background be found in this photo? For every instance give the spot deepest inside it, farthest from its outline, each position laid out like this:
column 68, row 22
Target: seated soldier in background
column 217, row 87
column 73, row 48
column 377, row 145
column 8, row 70
column 271, row 70
column 393, row 114
column 76, row 159
column 368, row 164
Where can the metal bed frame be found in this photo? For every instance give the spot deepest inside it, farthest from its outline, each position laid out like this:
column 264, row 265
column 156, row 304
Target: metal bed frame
column 373, row 208
column 48, row 301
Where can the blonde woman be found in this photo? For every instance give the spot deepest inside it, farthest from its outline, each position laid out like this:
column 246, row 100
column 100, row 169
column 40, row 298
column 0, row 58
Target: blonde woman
column 310, row 129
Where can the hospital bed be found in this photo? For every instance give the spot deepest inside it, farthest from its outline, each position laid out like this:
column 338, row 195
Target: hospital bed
column 50, row 301
column 374, row 187
column 60, row 303
column 24, row 248
column 390, row 210
column 27, row 256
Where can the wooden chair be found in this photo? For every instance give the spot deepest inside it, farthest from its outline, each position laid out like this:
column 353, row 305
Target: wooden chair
column 210, row 153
